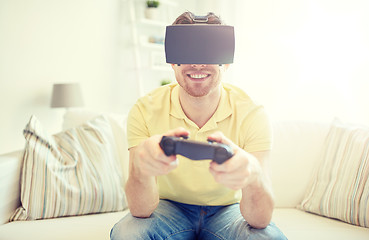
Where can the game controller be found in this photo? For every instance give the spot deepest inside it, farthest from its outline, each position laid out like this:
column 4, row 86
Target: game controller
column 196, row 150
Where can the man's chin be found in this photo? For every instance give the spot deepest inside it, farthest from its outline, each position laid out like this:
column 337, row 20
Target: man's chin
column 197, row 92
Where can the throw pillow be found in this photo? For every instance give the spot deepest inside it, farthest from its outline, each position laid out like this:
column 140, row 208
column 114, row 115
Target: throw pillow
column 340, row 188
column 76, row 117
column 74, row 172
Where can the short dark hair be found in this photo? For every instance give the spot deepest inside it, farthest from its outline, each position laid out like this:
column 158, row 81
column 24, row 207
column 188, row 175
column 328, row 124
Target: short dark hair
column 189, row 18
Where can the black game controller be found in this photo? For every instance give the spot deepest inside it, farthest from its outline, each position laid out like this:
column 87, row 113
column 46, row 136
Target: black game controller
column 195, row 150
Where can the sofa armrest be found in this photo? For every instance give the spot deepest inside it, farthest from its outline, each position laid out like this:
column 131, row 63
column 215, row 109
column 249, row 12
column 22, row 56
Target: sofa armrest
column 10, row 171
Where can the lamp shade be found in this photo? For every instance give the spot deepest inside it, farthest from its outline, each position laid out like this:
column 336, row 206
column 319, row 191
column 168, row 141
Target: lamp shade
column 66, row 95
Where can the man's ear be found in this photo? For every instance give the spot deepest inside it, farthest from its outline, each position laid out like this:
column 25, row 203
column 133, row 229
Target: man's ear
column 226, row 66
column 175, row 64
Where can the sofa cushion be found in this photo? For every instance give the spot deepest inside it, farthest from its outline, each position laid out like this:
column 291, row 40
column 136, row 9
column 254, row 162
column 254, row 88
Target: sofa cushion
column 74, row 172
column 89, row 227
column 295, row 154
column 300, row 225
column 340, row 187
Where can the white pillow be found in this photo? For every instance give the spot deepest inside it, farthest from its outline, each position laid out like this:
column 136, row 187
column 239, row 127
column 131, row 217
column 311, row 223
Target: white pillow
column 72, row 173
column 340, row 187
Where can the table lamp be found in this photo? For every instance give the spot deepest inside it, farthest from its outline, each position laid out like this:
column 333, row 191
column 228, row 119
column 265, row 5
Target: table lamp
column 66, row 95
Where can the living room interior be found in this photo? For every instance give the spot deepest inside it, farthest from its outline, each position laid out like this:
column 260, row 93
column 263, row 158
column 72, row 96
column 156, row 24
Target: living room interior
column 301, row 59
column 304, row 60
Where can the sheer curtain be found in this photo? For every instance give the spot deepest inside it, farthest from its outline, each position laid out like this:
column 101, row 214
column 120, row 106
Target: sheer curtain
column 302, row 59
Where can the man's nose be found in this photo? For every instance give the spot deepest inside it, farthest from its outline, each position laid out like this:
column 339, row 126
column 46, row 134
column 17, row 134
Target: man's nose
column 198, row 66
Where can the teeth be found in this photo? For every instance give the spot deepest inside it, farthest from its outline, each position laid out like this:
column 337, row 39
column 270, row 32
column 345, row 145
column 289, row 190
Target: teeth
column 198, row 75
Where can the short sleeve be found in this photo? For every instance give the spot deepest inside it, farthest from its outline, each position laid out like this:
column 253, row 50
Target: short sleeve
column 258, row 131
column 136, row 127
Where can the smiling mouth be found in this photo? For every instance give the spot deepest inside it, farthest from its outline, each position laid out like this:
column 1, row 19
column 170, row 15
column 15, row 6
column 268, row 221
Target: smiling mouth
column 198, row 76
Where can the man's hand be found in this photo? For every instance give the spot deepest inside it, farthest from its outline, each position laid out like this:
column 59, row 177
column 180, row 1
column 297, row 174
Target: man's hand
column 248, row 172
column 239, row 171
column 150, row 159
column 146, row 161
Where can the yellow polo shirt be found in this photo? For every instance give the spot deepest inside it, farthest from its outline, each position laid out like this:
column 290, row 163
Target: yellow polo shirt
column 237, row 116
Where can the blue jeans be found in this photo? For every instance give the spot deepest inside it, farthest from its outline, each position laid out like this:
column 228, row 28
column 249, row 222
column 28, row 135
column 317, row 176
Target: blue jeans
column 173, row 220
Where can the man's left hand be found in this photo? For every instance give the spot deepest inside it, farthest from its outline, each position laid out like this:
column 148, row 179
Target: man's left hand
column 240, row 170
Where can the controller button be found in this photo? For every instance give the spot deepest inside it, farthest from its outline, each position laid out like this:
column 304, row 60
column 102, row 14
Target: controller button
column 211, row 141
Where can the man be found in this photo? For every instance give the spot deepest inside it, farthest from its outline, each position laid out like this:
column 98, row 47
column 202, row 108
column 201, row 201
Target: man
column 177, row 198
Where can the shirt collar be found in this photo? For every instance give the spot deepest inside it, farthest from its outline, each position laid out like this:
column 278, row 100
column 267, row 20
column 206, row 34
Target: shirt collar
column 223, row 111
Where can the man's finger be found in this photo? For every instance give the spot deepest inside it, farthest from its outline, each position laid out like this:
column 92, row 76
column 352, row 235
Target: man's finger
column 177, row 132
column 219, row 137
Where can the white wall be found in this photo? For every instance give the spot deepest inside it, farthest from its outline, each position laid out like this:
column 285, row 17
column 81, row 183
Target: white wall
column 50, row 41
column 305, row 59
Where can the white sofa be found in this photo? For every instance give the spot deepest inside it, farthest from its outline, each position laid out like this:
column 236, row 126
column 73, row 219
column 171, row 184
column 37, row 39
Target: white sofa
column 297, row 146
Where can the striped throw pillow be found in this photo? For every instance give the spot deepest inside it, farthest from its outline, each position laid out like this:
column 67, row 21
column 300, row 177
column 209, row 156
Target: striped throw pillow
column 71, row 173
column 340, row 188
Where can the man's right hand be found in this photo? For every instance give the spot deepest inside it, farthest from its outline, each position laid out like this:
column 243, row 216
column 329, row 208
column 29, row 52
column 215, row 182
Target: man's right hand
column 147, row 160
column 150, row 160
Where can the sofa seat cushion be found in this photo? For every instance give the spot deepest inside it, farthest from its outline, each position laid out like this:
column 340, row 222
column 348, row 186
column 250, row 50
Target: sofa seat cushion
column 95, row 226
column 297, row 224
column 294, row 223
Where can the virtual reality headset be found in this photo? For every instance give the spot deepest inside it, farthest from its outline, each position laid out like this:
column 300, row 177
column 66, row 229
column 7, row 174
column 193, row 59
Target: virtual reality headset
column 199, row 44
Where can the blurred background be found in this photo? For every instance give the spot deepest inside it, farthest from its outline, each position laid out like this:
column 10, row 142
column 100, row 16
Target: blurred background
column 301, row 59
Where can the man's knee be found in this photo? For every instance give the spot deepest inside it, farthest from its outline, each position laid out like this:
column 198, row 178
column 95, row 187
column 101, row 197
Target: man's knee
column 158, row 226
column 115, row 232
column 129, row 227
column 271, row 232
